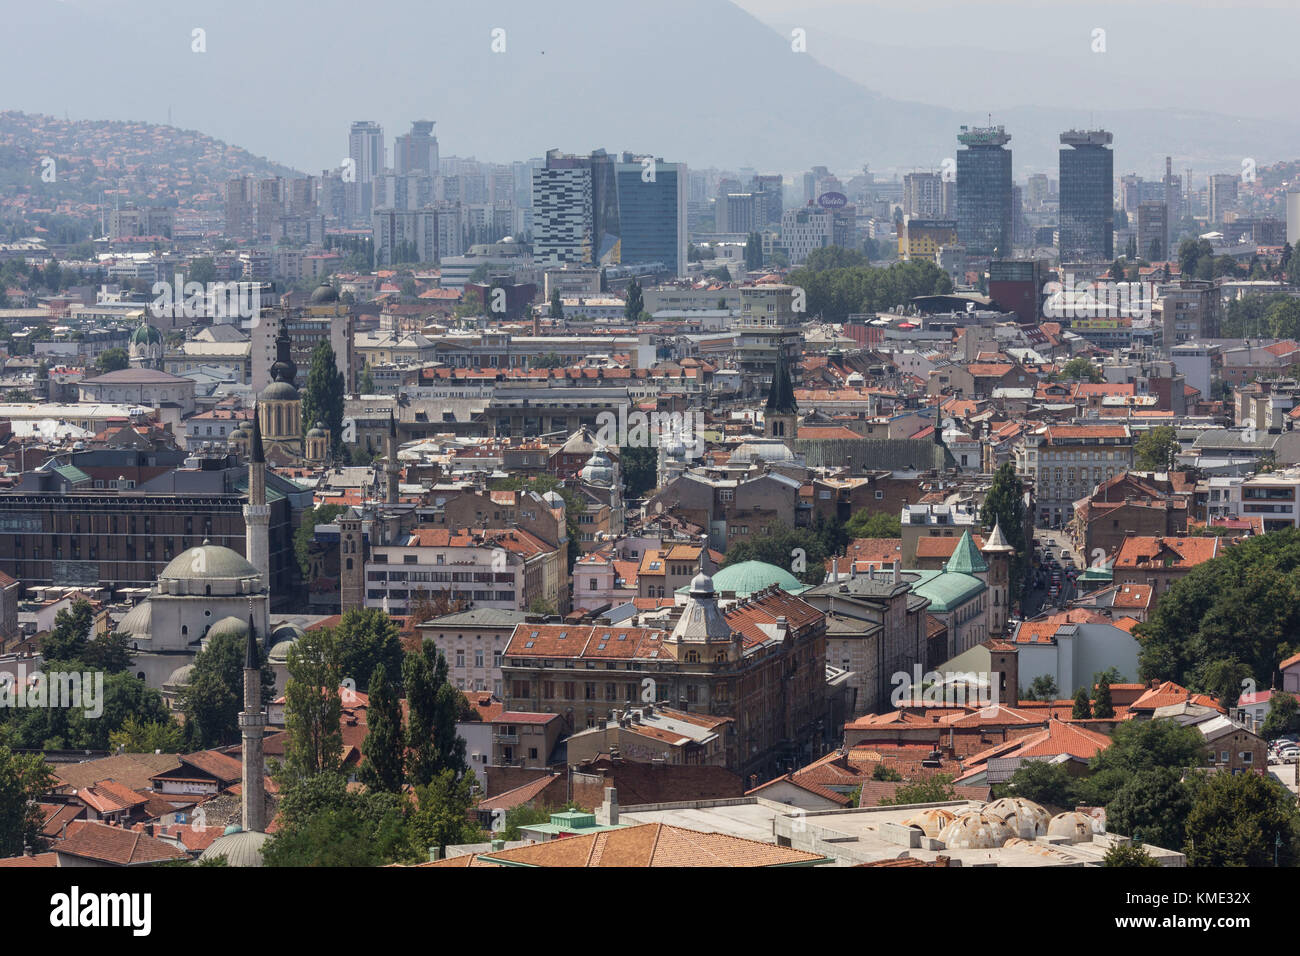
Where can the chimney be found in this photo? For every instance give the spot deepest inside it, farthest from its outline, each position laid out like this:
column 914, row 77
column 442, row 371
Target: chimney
column 435, row 854
column 607, row 815
column 835, row 570
column 896, row 570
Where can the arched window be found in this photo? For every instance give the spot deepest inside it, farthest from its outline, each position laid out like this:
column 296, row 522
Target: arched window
column 184, row 629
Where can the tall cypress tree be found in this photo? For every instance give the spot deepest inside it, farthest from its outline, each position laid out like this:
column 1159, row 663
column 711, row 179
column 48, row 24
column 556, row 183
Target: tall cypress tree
column 1005, row 505
column 1082, row 706
column 557, row 307
column 1103, row 706
column 322, row 398
column 635, row 304
column 384, row 746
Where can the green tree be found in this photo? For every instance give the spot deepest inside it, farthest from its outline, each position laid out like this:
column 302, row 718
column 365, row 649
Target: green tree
column 305, row 533
column 1043, row 687
column 369, row 638
column 433, row 707
column 800, row 550
column 1197, row 625
column 71, row 634
column 873, row 524
column 1283, row 716
column 753, row 252
column 1004, row 505
column 322, row 397
column 443, row 815
column 1239, row 820
column 214, row 697
column 1138, row 745
column 557, row 306
column 367, row 384
column 885, row 772
column 1128, row 854
column 640, row 466
column 933, row 789
column 635, row 304
column 1082, row 705
column 24, row 778
column 1154, row 804
column 1081, row 369
column 201, row 269
column 313, row 709
column 1155, row 449
column 145, row 737
column 1047, row 783
column 112, row 360
column 1131, row 250
column 384, row 767
column 1102, row 707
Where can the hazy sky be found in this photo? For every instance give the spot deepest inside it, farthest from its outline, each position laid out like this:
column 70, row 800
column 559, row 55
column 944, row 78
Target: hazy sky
column 1230, row 57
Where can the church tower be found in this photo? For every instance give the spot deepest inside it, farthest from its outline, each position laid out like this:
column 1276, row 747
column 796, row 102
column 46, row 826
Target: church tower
column 257, row 513
column 252, row 725
column 781, row 416
column 997, row 552
column 279, row 407
column 392, row 470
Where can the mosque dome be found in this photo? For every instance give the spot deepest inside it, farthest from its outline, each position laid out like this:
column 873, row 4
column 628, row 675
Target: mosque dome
column 1073, row 826
column 180, row 677
column 1025, row 818
column 228, row 626
column 324, row 294
column 975, row 831
column 762, row 449
column 931, row 822
column 138, row 622
column 208, row 562
column 240, row 848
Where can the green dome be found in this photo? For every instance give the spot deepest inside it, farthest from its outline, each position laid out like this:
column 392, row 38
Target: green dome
column 747, row 577
column 145, row 334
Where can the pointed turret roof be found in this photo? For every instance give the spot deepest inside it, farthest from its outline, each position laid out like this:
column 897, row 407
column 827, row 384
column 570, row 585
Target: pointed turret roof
column 966, row 558
column 251, row 657
column 256, row 453
column 780, row 398
column 997, row 541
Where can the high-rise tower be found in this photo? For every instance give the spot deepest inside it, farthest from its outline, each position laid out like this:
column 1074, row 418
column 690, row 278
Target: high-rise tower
column 1087, row 196
column 984, row 206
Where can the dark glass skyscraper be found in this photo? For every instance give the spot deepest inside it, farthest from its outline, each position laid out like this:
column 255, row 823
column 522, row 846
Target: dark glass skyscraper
column 984, row 208
column 652, row 212
column 1087, row 196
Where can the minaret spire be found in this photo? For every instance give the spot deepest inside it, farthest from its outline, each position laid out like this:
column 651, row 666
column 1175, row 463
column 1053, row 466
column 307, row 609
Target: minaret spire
column 252, row 724
column 391, row 469
column 257, row 513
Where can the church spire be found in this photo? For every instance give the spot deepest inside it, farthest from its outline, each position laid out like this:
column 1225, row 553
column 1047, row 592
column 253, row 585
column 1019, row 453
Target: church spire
column 780, row 398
